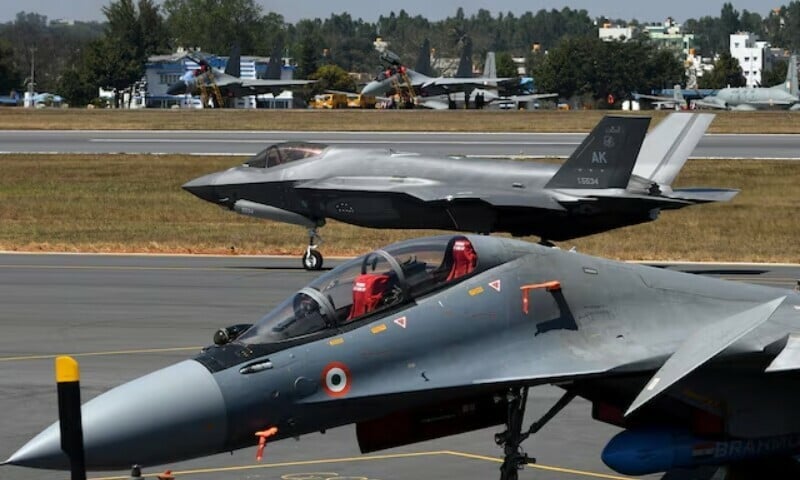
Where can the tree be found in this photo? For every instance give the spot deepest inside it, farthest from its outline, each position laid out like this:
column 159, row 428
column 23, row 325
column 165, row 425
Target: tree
column 9, row 76
column 332, row 77
column 215, row 25
column 776, row 75
column 506, row 68
column 726, row 73
column 588, row 67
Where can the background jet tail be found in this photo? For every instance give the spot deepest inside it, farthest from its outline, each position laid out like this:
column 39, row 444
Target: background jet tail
column 791, row 76
column 606, row 157
column 275, row 63
column 234, row 65
column 490, row 66
column 668, row 146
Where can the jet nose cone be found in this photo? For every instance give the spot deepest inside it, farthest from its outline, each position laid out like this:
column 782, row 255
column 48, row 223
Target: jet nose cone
column 177, row 88
column 203, row 187
column 169, row 415
column 372, row 88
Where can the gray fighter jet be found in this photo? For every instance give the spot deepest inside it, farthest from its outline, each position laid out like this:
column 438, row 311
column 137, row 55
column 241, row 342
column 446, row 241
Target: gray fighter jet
column 437, row 336
column 600, row 187
column 229, row 83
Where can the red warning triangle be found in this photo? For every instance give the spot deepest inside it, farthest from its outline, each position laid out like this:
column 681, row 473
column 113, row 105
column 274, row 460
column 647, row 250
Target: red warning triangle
column 401, row 321
column 495, row 284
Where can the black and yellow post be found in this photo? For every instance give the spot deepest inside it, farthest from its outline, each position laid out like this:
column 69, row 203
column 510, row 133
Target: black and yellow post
column 69, row 414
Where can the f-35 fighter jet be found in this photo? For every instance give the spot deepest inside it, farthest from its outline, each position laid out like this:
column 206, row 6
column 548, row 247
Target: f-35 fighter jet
column 602, row 186
column 437, row 336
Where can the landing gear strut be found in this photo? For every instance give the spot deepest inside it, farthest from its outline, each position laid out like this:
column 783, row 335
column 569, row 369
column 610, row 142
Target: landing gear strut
column 515, row 458
column 312, row 259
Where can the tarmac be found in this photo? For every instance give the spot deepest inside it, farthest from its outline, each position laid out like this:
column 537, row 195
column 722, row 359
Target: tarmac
column 122, row 316
column 216, row 142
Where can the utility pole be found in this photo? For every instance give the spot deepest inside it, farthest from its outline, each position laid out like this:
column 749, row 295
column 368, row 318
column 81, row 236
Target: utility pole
column 32, row 82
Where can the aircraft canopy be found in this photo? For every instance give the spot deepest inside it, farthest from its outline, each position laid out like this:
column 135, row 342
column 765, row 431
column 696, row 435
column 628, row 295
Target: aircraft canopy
column 378, row 281
column 281, row 153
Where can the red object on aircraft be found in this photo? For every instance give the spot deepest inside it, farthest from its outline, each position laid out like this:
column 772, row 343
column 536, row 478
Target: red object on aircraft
column 464, row 259
column 368, row 290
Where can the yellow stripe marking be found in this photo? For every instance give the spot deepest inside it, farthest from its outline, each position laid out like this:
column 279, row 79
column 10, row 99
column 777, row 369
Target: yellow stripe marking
column 378, row 328
column 548, row 468
column 475, row 291
column 366, row 458
column 67, row 370
column 336, row 341
column 100, row 354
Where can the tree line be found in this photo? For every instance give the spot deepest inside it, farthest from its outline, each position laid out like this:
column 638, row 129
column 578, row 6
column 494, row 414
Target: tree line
column 76, row 59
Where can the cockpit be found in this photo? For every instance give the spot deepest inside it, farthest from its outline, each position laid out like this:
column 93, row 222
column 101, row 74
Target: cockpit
column 282, row 153
column 379, row 281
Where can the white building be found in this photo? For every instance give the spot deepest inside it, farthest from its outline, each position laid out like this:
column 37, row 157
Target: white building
column 753, row 55
column 609, row 33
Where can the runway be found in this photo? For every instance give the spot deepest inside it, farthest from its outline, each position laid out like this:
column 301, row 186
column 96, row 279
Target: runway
column 249, row 143
column 123, row 316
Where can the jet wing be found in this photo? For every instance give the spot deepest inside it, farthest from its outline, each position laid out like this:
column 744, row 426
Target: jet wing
column 259, row 86
column 432, row 191
column 701, row 347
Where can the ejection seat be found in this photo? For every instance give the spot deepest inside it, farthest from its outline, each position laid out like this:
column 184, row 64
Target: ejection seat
column 464, row 259
column 368, row 291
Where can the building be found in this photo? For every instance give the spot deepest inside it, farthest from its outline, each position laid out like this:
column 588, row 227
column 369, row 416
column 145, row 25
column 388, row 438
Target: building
column 610, row 33
column 753, row 55
column 670, row 35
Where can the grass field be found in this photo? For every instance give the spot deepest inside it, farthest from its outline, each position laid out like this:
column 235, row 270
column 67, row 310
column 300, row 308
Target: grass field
column 133, row 203
column 365, row 120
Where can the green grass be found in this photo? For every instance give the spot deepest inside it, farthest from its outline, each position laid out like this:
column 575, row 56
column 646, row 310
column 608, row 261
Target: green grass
column 365, row 120
column 134, row 203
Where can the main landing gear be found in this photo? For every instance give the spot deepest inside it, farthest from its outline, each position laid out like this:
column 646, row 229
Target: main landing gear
column 312, row 259
column 515, row 458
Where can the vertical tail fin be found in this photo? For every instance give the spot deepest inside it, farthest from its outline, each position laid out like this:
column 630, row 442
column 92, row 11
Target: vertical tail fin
column 275, row 63
column 668, row 146
column 791, row 76
column 424, row 59
column 606, row 157
column 465, row 64
column 234, row 65
column 490, row 67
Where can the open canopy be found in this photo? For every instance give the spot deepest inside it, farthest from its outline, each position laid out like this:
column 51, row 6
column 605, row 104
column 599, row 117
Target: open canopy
column 377, row 281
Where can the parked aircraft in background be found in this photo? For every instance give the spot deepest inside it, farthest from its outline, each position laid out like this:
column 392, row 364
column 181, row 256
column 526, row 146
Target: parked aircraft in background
column 784, row 95
column 434, row 92
column 659, row 102
column 602, row 186
column 229, row 84
column 437, row 336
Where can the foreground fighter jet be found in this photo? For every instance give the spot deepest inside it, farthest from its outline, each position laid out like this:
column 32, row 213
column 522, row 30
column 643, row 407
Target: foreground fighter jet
column 436, row 336
column 602, row 186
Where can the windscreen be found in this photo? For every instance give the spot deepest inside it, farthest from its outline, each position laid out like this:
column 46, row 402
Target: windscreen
column 282, row 153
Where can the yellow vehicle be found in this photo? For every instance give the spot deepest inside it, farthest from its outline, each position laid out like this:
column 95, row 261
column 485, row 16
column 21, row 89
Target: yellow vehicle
column 330, row 100
column 361, row 101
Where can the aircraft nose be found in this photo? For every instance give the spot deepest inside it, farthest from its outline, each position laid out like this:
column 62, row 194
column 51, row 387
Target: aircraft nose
column 169, row 415
column 204, row 187
column 372, row 88
column 177, row 88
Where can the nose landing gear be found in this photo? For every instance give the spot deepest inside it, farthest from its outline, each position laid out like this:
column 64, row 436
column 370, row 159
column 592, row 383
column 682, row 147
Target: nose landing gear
column 312, row 259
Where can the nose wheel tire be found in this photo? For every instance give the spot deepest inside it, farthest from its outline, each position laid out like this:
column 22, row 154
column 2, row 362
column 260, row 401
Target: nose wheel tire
column 312, row 260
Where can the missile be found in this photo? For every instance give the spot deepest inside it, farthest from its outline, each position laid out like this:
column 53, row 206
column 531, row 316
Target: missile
column 642, row 452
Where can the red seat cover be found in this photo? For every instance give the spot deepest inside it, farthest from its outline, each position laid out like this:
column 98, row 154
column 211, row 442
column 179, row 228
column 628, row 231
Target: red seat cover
column 464, row 259
column 368, row 289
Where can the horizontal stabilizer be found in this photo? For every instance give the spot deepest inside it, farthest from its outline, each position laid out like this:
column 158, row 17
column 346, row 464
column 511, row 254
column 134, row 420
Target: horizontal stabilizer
column 701, row 347
column 789, row 358
column 703, row 195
